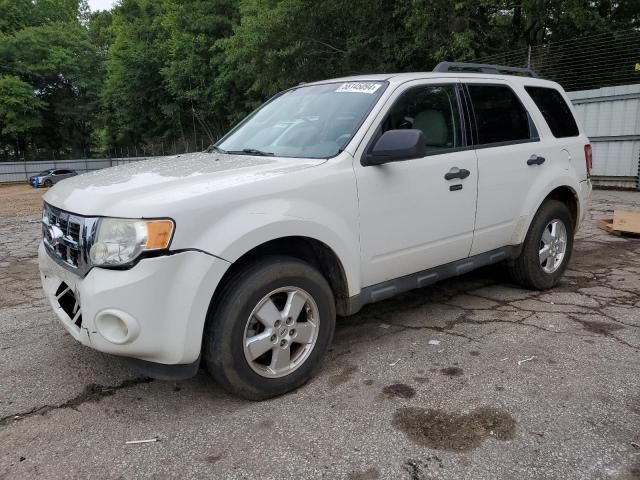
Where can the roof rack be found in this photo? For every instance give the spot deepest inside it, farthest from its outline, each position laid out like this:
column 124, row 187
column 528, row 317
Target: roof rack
column 483, row 68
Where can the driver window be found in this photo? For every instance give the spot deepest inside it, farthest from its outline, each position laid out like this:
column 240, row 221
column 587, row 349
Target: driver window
column 432, row 109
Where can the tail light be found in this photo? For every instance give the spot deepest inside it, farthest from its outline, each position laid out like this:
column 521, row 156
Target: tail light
column 588, row 158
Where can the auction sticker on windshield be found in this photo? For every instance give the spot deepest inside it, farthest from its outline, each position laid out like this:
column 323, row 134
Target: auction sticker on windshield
column 359, row 87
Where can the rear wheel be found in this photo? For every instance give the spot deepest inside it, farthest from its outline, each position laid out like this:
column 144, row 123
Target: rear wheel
column 547, row 248
column 270, row 327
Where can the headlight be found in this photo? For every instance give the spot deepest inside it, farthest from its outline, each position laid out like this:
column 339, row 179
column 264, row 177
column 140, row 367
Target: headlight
column 120, row 241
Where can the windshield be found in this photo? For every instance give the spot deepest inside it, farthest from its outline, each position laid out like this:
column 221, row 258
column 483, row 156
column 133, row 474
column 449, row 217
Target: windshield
column 46, row 172
column 315, row 121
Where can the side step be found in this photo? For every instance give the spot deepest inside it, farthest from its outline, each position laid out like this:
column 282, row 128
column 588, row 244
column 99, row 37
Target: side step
column 391, row 288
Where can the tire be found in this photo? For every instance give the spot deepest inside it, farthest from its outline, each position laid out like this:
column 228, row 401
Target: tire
column 48, row 183
column 233, row 320
column 528, row 269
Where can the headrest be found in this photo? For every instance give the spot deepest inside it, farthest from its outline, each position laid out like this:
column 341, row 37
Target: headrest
column 434, row 126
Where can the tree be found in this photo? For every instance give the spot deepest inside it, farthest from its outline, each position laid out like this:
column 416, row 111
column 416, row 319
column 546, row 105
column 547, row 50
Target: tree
column 48, row 49
column 20, row 112
column 182, row 71
column 193, row 64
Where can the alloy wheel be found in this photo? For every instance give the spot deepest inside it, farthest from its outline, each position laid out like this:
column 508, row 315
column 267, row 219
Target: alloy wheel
column 281, row 332
column 553, row 246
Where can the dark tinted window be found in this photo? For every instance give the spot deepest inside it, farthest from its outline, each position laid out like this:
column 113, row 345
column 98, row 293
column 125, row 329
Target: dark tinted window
column 432, row 109
column 500, row 116
column 555, row 111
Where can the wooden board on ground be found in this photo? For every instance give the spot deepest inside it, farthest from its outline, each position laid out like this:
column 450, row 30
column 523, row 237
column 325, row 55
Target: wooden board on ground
column 628, row 222
column 607, row 226
column 623, row 223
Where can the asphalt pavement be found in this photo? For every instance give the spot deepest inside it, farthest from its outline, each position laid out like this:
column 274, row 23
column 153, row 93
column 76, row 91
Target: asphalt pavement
column 473, row 378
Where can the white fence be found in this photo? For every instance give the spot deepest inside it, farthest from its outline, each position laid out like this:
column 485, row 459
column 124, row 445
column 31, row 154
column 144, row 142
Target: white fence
column 611, row 118
column 21, row 171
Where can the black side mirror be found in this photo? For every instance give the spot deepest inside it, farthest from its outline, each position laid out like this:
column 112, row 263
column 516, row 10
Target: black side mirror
column 396, row 145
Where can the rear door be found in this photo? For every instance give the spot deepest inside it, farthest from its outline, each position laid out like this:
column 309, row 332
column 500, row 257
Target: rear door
column 61, row 175
column 511, row 159
column 56, row 176
column 565, row 134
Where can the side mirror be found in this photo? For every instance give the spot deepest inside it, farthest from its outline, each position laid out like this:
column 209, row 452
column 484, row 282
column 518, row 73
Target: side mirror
column 396, row 145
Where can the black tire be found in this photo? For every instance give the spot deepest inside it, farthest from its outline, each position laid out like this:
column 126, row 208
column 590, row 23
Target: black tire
column 526, row 270
column 225, row 328
column 48, row 183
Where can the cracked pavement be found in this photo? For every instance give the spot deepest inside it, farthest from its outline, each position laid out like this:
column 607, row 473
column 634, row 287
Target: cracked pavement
column 522, row 384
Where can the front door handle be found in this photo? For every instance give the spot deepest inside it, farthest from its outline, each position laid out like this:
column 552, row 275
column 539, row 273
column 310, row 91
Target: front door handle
column 535, row 160
column 456, row 172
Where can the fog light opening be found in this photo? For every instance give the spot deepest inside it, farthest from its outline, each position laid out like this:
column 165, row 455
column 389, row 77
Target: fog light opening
column 117, row 327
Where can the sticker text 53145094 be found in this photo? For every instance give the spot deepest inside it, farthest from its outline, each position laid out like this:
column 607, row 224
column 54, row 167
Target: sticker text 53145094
column 359, row 87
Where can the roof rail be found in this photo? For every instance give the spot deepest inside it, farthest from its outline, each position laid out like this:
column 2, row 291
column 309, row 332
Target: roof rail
column 483, row 68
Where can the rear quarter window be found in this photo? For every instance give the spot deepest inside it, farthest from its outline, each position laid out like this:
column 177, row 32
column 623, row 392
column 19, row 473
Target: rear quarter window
column 555, row 111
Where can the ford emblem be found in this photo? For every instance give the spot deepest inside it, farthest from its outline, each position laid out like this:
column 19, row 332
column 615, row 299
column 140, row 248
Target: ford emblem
column 54, row 235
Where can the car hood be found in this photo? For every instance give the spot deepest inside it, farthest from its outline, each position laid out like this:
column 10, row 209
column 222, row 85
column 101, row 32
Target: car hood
column 125, row 190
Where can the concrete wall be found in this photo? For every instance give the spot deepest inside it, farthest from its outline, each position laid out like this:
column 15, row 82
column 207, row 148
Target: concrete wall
column 21, row 171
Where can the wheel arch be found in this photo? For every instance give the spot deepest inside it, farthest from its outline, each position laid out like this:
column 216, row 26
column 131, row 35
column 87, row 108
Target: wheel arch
column 561, row 191
column 569, row 197
column 310, row 250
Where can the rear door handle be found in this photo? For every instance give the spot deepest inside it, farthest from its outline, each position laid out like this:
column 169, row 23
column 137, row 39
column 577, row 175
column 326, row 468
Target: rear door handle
column 456, row 172
column 535, row 160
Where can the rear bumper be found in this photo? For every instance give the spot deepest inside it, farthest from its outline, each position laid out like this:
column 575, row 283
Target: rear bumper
column 154, row 311
column 584, row 194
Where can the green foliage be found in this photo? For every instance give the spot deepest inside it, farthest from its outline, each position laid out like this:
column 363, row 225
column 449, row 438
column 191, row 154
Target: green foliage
column 49, row 51
column 160, row 71
column 20, row 108
column 133, row 95
column 180, row 72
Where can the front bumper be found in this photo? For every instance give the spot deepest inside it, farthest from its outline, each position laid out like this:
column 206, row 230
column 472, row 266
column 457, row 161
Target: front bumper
column 154, row 311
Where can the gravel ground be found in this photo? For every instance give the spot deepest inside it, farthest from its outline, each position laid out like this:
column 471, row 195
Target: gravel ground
column 522, row 384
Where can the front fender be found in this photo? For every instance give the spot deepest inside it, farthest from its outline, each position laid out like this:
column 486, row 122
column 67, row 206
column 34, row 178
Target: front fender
column 252, row 225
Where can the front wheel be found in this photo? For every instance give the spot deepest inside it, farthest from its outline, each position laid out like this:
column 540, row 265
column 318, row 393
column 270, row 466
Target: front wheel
column 48, row 183
column 547, row 248
column 269, row 328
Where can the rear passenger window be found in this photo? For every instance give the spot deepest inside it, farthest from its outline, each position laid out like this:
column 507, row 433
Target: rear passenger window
column 555, row 111
column 500, row 116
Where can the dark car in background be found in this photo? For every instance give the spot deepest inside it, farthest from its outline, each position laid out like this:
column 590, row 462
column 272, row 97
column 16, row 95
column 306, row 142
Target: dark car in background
column 50, row 177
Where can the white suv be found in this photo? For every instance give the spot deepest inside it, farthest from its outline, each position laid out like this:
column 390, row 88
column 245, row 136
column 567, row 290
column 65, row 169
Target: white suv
column 332, row 195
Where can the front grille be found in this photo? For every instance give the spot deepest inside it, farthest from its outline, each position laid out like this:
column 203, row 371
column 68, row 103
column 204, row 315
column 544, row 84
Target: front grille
column 69, row 303
column 66, row 237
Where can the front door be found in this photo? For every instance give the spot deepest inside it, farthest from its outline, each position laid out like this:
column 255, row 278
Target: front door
column 411, row 217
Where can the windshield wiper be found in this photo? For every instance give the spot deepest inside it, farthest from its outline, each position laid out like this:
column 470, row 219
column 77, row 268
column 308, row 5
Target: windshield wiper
column 214, row 148
column 250, row 151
